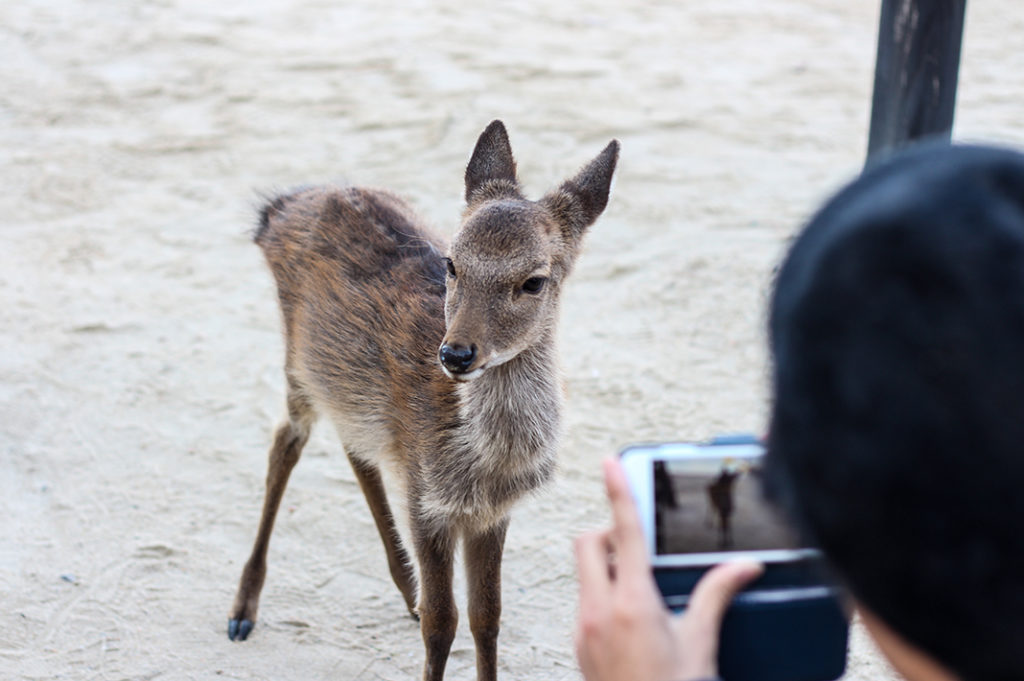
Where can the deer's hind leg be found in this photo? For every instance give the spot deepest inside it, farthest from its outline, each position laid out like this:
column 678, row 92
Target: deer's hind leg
column 290, row 438
column 402, row 571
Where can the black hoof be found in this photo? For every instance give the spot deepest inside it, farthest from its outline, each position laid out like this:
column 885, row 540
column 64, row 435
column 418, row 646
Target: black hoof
column 239, row 630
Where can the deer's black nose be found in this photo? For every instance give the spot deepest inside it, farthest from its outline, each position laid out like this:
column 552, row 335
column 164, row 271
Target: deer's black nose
column 457, row 358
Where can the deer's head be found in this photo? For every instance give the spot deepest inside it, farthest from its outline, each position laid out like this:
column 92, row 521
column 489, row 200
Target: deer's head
column 511, row 256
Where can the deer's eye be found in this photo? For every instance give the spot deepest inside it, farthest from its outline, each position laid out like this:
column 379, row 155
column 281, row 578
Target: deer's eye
column 533, row 285
column 451, row 267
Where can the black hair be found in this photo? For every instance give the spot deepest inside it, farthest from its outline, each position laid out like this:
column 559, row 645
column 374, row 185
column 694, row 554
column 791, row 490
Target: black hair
column 896, row 441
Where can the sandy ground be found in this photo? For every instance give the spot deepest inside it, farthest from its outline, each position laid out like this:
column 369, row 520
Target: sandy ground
column 139, row 347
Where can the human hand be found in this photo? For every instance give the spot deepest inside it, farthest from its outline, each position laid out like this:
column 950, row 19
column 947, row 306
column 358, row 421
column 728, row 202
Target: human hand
column 624, row 631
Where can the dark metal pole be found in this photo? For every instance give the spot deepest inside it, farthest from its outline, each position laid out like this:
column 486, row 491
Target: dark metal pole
column 915, row 72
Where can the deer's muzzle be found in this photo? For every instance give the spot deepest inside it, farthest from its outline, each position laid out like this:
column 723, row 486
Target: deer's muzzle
column 457, row 358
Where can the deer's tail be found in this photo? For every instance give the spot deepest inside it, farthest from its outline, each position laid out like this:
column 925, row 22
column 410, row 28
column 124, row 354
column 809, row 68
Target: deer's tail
column 272, row 207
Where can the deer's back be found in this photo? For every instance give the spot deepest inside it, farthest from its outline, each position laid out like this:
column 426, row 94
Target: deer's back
column 361, row 287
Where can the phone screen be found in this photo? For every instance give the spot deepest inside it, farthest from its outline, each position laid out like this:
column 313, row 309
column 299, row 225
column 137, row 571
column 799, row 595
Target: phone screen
column 712, row 504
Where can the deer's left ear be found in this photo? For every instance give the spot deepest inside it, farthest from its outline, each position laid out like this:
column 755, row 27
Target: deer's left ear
column 491, row 162
column 579, row 201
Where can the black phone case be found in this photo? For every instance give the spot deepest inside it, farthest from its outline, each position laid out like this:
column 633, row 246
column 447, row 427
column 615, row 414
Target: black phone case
column 786, row 626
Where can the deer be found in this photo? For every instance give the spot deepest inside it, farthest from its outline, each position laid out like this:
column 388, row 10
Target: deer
column 437, row 365
column 721, row 504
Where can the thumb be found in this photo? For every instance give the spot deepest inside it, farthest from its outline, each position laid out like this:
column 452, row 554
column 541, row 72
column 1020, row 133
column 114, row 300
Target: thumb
column 715, row 591
column 699, row 627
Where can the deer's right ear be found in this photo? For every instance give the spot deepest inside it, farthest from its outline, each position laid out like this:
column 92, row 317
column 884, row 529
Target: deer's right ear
column 492, row 162
column 579, row 201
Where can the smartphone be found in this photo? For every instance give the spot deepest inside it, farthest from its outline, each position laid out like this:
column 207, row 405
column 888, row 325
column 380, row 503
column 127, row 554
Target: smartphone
column 701, row 504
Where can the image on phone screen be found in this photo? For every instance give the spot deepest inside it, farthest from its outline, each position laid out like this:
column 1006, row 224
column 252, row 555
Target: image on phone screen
column 704, row 505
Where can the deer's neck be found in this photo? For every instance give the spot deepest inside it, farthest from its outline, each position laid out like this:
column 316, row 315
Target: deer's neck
column 504, row 444
column 511, row 415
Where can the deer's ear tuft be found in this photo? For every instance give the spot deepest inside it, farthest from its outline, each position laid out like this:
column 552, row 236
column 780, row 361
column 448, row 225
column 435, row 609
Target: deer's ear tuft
column 491, row 161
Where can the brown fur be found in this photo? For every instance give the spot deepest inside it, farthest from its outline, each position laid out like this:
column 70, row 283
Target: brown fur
column 367, row 299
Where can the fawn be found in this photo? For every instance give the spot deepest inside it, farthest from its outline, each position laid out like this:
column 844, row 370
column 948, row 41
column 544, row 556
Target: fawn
column 439, row 371
column 721, row 504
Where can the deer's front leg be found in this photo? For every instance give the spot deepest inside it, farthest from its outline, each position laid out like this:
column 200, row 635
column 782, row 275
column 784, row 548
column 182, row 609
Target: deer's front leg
column 438, row 616
column 483, row 573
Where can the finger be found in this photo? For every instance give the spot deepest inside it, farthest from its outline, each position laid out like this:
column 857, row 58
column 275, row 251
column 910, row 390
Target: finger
column 630, row 547
column 715, row 591
column 592, row 566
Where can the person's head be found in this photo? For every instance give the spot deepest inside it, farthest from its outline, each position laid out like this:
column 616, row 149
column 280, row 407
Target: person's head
column 896, row 439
